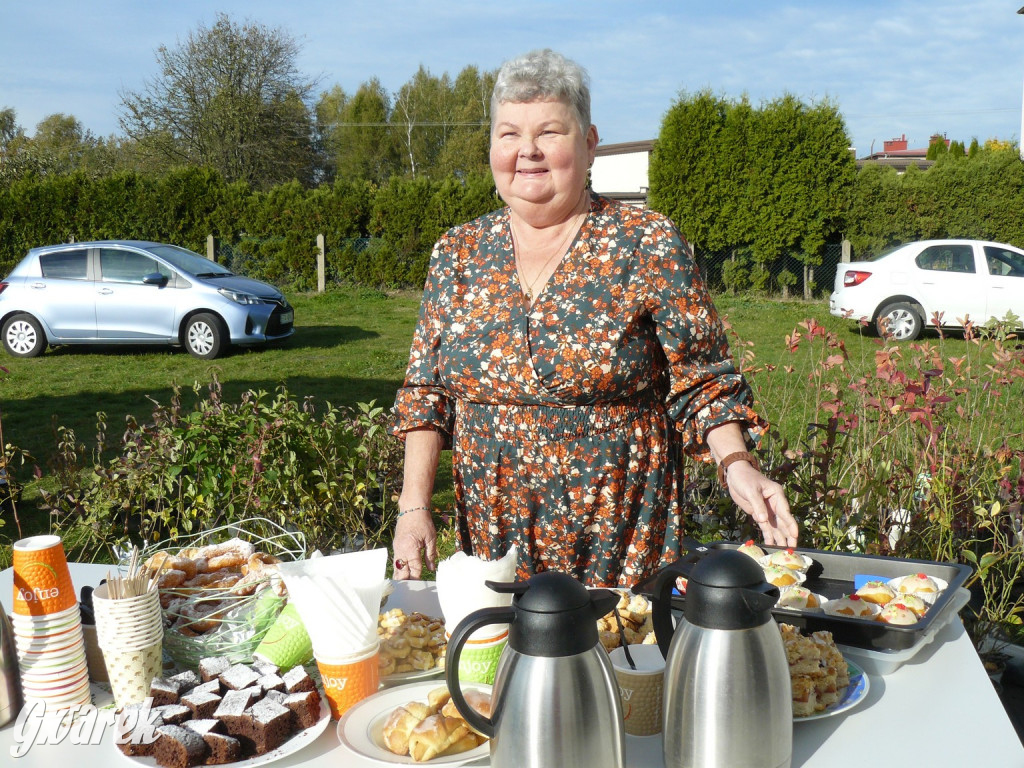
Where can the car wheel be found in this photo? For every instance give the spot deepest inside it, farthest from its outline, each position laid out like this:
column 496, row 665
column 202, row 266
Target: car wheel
column 899, row 321
column 23, row 336
column 205, row 336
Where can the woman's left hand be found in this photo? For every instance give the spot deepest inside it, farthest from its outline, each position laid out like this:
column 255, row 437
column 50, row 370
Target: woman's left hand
column 765, row 501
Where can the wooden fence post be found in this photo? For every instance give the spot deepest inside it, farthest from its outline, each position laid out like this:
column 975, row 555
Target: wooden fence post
column 211, row 248
column 847, row 252
column 321, row 268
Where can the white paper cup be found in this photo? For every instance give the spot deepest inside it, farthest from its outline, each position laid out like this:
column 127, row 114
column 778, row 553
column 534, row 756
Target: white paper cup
column 131, row 673
column 640, row 689
column 44, row 677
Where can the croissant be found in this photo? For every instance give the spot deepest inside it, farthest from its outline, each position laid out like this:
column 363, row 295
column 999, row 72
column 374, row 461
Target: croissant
column 400, row 725
column 478, row 700
column 434, row 736
column 438, row 697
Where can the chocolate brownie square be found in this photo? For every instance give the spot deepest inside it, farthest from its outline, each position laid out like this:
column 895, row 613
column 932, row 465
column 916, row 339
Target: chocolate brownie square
column 204, row 726
column 164, row 691
column 278, row 696
column 264, row 667
column 237, row 677
column 174, row 714
column 210, row 686
column 212, row 666
column 305, row 707
column 271, row 725
column 179, row 747
column 233, row 711
column 202, row 704
column 297, row 680
column 135, row 730
column 221, row 749
column 271, row 682
column 185, row 681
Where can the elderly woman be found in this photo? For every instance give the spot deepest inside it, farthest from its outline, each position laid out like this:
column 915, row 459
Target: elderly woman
column 567, row 352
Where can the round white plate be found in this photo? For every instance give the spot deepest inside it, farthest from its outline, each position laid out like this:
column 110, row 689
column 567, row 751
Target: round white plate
column 360, row 729
column 401, row 678
column 290, row 747
column 856, row 692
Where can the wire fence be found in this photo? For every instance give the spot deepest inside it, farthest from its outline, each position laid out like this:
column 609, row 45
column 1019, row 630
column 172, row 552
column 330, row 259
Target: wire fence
column 734, row 270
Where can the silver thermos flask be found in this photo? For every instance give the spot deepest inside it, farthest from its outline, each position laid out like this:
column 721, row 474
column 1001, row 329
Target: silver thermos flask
column 728, row 696
column 10, row 677
column 555, row 701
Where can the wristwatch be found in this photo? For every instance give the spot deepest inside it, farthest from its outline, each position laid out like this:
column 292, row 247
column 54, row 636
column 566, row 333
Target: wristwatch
column 732, row 458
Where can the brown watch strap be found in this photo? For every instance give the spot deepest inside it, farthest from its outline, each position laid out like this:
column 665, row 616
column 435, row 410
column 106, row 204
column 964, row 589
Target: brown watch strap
column 733, row 458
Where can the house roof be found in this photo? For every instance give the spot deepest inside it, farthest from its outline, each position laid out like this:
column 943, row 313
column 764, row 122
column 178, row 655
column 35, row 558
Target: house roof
column 624, row 148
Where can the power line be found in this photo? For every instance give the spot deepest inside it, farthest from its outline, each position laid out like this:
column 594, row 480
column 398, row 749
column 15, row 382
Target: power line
column 415, row 124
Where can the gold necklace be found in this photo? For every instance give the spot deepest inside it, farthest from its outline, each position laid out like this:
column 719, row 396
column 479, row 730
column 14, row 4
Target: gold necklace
column 529, row 286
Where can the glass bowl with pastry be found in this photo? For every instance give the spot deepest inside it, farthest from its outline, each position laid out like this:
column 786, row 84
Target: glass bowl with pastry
column 220, row 590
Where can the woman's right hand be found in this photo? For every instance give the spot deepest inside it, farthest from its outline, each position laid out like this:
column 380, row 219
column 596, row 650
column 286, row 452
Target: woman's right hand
column 415, row 544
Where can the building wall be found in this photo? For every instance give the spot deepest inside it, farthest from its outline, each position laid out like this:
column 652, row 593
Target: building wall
column 620, row 171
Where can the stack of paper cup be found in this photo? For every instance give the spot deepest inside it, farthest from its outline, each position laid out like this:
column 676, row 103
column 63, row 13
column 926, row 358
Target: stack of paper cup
column 338, row 599
column 130, row 634
column 461, row 589
column 47, row 626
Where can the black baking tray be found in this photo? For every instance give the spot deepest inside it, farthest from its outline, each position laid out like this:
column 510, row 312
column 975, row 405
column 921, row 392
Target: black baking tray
column 832, row 575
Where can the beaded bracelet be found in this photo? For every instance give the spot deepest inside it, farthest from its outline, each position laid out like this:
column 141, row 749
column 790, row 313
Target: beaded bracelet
column 413, row 509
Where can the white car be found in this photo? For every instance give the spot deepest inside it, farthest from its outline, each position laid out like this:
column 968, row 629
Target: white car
column 953, row 281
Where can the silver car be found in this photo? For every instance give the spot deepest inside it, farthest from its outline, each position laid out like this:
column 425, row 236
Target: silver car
column 133, row 292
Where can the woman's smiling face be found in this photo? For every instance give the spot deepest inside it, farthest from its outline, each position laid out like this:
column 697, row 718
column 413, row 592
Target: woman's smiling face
column 540, row 159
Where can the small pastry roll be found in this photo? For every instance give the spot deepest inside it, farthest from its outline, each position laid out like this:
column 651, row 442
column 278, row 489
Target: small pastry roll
column 400, row 724
column 385, row 665
column 184, row 564
column 229, row 560
column 438, row 697
column 398, row 647
column 421, row 660
column 435, row 735
column 171, row 578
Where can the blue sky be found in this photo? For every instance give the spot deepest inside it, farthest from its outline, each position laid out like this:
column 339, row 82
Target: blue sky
column 911, row 67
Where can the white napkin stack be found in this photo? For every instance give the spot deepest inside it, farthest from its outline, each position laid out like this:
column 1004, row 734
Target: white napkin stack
column 461, row 589
column 338, row 599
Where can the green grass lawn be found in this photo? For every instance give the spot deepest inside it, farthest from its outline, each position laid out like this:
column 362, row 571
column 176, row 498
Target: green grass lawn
column 350, row 346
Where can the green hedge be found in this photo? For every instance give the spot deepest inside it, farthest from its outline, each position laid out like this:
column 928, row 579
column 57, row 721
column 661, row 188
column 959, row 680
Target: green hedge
column 381, row 236
column 268, row 235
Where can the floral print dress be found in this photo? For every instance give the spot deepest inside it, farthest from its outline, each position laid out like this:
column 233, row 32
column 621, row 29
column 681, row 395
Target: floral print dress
column 567, row 420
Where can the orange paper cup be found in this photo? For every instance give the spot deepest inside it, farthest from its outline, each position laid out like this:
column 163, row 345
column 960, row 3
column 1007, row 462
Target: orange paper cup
column 347, row 680
column 42, row 582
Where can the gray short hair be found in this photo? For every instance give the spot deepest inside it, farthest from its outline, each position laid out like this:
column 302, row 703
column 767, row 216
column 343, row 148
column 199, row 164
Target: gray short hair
column 540, row 75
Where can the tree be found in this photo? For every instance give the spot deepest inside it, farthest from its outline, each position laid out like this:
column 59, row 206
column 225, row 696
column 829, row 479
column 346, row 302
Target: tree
column 773, row 180
column 232, row 98
column 466, row 150
column 421, row 116
column 357, row 140
column 9, row 128
column 685, row 178
column 937, row 147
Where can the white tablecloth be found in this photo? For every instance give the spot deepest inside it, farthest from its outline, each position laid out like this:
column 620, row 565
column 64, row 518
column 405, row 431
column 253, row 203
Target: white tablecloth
column 938, row 710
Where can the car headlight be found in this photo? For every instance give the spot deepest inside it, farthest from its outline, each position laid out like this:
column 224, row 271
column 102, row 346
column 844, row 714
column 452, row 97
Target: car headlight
column 239, row 297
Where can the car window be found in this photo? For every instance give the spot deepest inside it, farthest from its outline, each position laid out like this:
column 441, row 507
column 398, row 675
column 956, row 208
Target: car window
column 188, row 261
column 947, row 258
column 1004, row 262
column 69, row 265
column 118, row 266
